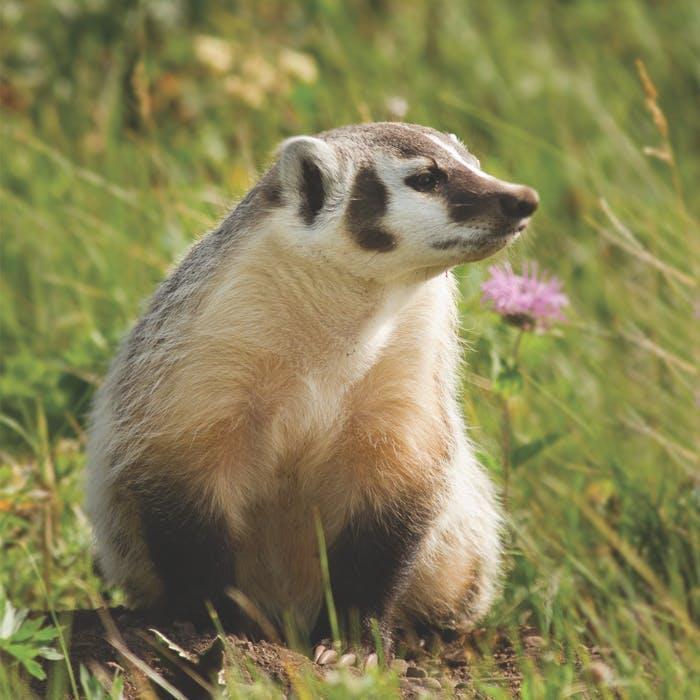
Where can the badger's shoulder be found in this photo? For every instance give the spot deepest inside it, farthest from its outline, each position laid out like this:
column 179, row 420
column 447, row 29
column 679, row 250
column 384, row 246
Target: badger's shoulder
column 205, row 256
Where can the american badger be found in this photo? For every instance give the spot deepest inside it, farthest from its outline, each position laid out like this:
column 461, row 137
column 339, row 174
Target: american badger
column 301, row 365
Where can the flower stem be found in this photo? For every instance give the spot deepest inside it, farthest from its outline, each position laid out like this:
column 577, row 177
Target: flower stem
column 506, row 426
column 516, row 347
column 505, row 447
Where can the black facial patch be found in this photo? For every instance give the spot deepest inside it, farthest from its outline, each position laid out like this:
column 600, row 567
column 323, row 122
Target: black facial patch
column 312, row 191
column 376, row 238
column 368, row 204
column 468, row 195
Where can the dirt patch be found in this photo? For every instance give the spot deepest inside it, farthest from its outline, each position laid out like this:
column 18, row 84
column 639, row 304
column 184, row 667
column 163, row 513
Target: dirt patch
column 177, row 660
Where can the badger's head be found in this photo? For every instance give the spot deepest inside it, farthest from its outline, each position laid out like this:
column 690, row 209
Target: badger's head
column 391, row 201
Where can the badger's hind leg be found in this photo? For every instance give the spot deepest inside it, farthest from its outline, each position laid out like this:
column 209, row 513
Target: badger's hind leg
column 370, row 564
column 171, row 551
column 192, row 551
column 458, row 565
column 121, row 554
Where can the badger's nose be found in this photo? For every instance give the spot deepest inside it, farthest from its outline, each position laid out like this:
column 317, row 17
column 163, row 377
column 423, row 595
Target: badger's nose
column 519, row 203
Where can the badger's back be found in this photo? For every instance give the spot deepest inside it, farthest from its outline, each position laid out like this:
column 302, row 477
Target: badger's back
column 129, row 411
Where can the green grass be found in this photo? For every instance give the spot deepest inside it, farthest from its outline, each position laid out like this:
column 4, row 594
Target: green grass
column 121, row 145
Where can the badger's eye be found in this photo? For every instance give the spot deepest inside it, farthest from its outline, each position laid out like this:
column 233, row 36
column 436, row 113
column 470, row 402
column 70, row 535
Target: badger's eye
column 426, row 181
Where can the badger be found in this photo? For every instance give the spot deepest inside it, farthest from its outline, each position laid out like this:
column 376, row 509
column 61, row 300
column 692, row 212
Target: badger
column 298, row 373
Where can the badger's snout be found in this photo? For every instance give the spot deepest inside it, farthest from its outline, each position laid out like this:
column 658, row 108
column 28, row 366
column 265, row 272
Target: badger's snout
column 490, row 212
column 475, row 198
column 519, row 203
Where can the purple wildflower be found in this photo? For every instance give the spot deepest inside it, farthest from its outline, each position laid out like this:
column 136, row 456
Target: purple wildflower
column 526, row 300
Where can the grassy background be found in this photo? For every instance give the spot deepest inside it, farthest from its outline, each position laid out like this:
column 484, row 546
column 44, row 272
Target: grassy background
column 127, row 130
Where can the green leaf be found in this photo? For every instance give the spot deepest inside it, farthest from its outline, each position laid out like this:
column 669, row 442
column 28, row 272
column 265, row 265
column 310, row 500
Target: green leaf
column 523, row 453
column 34, row 668
column 91, row 686
column 21, row 652
column 28, row 630
column 46, row 634
column 24, row 639
column 50, row 654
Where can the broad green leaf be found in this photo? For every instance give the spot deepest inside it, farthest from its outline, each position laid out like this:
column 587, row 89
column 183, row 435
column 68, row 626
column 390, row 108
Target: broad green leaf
column 28, row 630
column 34, row 668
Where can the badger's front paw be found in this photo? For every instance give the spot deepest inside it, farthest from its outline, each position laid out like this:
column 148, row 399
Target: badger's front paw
column 364, row 658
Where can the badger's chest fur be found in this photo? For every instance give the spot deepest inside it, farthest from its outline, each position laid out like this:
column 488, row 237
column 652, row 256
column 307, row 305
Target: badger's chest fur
column 301, row 363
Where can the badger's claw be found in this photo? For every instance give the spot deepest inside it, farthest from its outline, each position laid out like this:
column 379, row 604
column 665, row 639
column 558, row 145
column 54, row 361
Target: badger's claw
column 328, row 657
column 372, row 661
column 348, row 659
column 323, row 656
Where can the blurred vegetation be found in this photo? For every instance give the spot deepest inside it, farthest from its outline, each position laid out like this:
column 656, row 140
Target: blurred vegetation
column 129, row 127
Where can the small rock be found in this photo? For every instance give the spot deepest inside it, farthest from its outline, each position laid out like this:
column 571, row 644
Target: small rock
column 399, row 666
column 347, row 660
column 318, row 651
column 330, row 656
column 433, row 683
column 372, row 661
column 415, row 672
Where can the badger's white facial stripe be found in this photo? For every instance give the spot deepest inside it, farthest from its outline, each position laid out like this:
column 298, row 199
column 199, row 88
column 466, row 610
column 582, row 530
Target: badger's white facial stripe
column 456, row 156
column 460, row 143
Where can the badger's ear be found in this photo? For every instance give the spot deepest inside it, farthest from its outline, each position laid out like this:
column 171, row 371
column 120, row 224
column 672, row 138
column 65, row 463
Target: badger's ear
column 308, row 169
